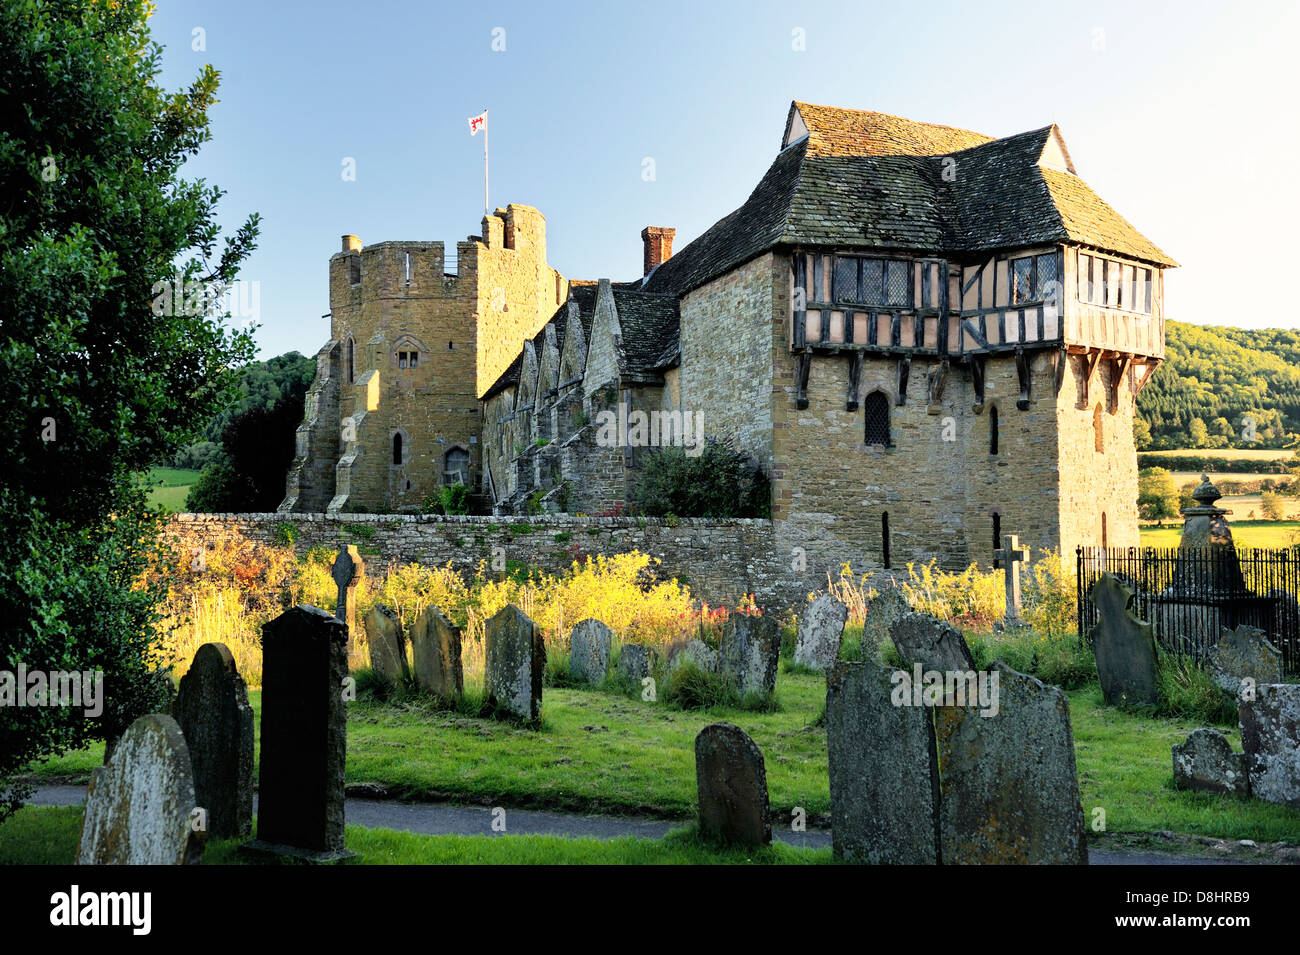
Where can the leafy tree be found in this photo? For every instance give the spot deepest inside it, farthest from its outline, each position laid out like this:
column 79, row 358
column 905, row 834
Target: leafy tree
column 99, row 383
column 1197, row 435
column 1141, row 434
column 1157, row 496
column 257, row 448
column 1272, row 506
column 720, row 481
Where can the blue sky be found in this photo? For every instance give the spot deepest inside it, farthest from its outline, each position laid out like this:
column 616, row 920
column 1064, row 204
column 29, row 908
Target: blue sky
column 1179, row 114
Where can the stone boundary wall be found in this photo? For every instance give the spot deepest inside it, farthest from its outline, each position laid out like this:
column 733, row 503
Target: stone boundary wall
column 721, row 560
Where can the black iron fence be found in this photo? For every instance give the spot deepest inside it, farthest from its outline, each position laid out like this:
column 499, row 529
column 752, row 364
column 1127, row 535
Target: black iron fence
column 1190, row 594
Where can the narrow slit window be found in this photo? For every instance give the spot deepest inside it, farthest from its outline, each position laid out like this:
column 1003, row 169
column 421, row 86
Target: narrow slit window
column 397, row 449
column 1098, row 432
column 884, row 538
column 993, row 430
column 997, row 539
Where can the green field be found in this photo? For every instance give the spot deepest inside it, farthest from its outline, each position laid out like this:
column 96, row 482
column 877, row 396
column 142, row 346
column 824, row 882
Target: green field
column 600, row 752
column 1240, row 454
column 170, row 486
column 1270, row 534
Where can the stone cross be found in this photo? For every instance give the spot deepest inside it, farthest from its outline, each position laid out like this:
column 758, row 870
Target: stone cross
column 347, row 572
column 1011, row 555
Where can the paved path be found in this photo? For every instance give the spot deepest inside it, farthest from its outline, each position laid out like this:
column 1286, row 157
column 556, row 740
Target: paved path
column 440, row 818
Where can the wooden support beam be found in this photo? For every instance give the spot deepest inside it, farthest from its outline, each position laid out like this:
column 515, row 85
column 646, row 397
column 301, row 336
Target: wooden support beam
column 977, row 375
column 904, row 369
column 1024, row 377
column 1118, row 368
column 802, row 364
column 800, row 300
column 934, row 385
column 1060, row 361
column 1090, row 360
column 855, row 377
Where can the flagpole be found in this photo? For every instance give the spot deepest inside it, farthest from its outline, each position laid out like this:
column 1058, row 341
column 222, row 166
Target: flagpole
column 487, row 208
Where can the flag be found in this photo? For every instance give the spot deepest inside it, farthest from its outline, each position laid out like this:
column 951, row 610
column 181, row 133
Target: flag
column 477, row 122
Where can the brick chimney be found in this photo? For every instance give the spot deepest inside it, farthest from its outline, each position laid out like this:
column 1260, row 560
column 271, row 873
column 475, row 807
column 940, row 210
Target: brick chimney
column 657, row 245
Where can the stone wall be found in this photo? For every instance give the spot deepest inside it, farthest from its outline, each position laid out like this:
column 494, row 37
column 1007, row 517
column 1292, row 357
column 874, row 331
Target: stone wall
column 720, row 560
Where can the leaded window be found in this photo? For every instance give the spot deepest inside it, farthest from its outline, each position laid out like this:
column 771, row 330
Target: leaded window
column 873, row 282
column 1033, row 278
column 876, row 409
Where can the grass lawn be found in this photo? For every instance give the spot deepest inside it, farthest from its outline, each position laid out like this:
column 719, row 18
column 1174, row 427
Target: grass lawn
column 48, row 836
column 1234, row 454
column 597, row 751
column 170, row 487
column 1272, row 534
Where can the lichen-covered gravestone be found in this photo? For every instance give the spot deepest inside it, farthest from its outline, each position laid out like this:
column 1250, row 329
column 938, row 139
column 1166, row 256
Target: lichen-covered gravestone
column 386, row 644
column 884, row 780
column 748, row 653
column 820, row 630
column 1206, row 763
column 213, row 712
column 139, row 806
column 1270, row 735
column 882, row 610
column 934, row 644
column 731, row 781
column 1244, row 654
column 1008, row 791
column 435, row 651
column 515, row 661
column 1124, row 645
column 589, row 649
column 635, row 661
column 696, row 652
column 304, row 737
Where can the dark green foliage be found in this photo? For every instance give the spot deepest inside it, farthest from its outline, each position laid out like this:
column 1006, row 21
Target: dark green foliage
column 257, row 449
column 1234, row 374
column 1209, row 464
column 720, row 482
column 1157, row 496
column 448, row 500
column 98, row 387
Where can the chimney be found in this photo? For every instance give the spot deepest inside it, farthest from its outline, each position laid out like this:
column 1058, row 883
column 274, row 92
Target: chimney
column 657, row 243
column 351, row 243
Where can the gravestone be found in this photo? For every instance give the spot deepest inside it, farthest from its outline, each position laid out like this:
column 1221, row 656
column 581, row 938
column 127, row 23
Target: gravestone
column 347, row 571
column 515, row 658
column 304, row 737
column 748, row 654
column 1206, row 763
column 820, row 631
column 213, row 712
column 881, row 612
column 731, row 781
column 386, row 645
column 1124, row 645
column 635, row 661
column 884, row 781
column 934, row 644
column 695, row 651
column 589, row 649
column 1270, row 735
column 1244, row 654
column 1008, row 790
column 1011, row 554
column 139, row 805
column 435, row 650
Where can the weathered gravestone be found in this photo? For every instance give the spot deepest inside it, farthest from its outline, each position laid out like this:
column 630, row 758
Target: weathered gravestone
column 883, row 774
column 1270, row 735
column 304, row 737
column 1008, row 790
column 139, row 805
column 694, row 651
column 732, row 784
column 435, row 651
column 347, row 571
column 386, row 644
column 589, row 649
column 882, row 610
column 748, row 653
column 820, row 629
column 515, row 661
column 213, row 712
column 1206, row 763
column 934, row 644
column 1124, row 645
column 1244, row 654
column 635, row 661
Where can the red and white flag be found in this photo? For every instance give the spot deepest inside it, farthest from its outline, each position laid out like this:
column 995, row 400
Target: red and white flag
column 477, row 122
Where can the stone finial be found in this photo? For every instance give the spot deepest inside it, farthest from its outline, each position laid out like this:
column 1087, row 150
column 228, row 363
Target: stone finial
column 1206, row 493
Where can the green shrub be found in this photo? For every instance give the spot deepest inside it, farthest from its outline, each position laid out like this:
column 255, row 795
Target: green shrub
column 720, row 481
column 286, row 533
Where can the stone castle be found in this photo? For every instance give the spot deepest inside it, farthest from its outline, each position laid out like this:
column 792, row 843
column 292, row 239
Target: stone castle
column 926, row 338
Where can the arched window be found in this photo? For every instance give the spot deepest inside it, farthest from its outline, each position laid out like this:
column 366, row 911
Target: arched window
column 1098, row 433
column 456, row 467
column 884, row 538
column 876, row 413
column 993, row 430
column 397, row 449
column 352, row 361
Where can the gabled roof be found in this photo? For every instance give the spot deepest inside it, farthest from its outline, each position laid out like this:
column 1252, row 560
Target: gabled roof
column 861, row 179
column 650, row 325
column 581, row 293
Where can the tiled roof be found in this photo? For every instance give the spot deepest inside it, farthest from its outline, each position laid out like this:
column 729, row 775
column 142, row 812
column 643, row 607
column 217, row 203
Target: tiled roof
column 868, row 180
column 650, row 325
